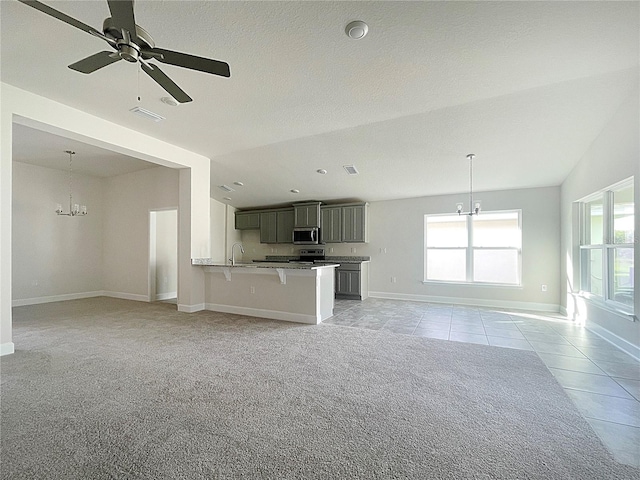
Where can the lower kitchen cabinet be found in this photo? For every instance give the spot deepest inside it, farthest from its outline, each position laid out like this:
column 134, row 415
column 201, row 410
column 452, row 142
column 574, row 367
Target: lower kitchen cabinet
column 352, row 281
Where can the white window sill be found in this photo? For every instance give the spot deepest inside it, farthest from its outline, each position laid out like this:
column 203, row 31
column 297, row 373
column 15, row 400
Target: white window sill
column 609, row 306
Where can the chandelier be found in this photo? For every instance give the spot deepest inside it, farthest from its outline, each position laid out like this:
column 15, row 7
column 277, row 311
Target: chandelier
column 474, row 206
column 74, row 209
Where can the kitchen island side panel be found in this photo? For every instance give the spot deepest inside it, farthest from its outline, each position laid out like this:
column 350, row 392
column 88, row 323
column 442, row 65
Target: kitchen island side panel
column 306, row 296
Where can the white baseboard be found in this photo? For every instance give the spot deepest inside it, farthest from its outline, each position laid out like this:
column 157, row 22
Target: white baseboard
column 619, row 342
column 21, row 302
column 126, row 296
column 166, row 296
column 6, row 348
column 198, row 307
column 258, row 312
column 538, row 307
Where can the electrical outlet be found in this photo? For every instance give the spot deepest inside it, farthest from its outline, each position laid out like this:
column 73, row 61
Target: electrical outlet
column 330, row 249
column 253, row 289
column 393, row 279
column 353, row 249
column 543, row 288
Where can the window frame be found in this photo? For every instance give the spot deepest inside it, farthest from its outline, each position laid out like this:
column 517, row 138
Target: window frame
column 607, row 247
column 470, row 248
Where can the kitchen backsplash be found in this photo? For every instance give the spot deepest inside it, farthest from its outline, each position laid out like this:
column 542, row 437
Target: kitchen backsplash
column 254, row 250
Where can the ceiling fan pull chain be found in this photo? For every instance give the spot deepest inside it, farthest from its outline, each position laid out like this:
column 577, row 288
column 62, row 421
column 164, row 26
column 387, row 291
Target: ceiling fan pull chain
column 139, row 68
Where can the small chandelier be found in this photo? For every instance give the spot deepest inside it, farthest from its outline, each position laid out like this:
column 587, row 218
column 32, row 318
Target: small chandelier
column 74, row 209
column 476, row 205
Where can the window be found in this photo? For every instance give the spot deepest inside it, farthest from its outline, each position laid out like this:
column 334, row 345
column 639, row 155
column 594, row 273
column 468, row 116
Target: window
column 482, row 248
column 606, row 246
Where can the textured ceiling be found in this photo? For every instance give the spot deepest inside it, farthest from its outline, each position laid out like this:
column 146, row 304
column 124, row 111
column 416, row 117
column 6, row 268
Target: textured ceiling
column 526, row 86
column 48, row 150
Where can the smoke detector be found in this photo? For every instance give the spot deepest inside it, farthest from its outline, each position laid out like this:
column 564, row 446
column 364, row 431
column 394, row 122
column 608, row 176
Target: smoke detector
column 357, row 30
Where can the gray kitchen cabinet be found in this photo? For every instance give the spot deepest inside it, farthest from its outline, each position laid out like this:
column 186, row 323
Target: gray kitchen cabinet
column 354, row 223
column 331, row 225
column 268, row 227
column 247, row 220
column 307, row 214
column 347, row 284
column 284, row 226
column 352, row 281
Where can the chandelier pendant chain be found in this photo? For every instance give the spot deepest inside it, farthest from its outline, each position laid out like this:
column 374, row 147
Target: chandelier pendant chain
column 70, row 179
column 471, row 182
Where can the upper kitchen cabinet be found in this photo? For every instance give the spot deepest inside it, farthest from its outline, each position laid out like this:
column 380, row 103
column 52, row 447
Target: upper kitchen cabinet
column 354, row 223
column 331, row 226
column 307, row 214
column 284, row 226
column 268, row 227
column 276, row 226
column 247, row 221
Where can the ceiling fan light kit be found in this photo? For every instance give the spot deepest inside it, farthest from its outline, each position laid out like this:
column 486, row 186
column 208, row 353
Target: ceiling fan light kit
column 133, row 43
column 170, row 101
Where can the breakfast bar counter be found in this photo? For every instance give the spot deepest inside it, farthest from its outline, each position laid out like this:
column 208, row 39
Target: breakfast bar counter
column 296, row 292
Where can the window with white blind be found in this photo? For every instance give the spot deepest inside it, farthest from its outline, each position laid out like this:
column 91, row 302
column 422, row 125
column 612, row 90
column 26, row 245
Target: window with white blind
column 606, row 246
column 485, row 248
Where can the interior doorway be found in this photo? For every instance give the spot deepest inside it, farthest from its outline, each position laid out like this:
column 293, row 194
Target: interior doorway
column 163, row 255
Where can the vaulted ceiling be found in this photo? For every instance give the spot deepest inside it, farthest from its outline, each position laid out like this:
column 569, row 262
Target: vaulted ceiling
column 526, row 86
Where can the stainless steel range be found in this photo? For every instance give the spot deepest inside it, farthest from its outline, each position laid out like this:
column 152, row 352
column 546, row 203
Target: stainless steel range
column 310, row 255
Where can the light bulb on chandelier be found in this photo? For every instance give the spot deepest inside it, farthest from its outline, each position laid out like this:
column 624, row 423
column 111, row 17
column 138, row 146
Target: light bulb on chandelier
column 474, row 205
column 75, row 210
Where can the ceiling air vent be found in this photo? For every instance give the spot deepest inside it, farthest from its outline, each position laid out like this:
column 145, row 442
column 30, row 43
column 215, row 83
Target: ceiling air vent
column 144, row 113
column 351, row 170
column 226, row 188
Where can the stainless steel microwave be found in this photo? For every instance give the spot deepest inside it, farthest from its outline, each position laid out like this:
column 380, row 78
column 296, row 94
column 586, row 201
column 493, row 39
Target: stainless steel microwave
column 306, row 236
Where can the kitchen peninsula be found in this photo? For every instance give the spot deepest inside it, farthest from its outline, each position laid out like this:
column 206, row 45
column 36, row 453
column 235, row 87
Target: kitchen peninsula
column 295, row 292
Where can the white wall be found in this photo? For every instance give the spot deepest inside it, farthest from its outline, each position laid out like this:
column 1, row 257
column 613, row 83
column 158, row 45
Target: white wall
column 398, row 227
column 128, row 200
column 54, row 256
column 35, row 111
column 613, row 156
column 218, row 212
column 165, row 261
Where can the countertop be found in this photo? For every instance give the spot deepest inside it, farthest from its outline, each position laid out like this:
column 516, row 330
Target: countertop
column 208, row 262
column 327, row 259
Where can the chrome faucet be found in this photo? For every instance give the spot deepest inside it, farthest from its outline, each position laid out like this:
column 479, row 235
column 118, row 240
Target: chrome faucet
column 233, row 255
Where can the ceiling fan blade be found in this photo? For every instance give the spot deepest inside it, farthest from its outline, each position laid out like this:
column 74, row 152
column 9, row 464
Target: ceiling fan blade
column 122, row 15
column 165, row 82
column 94, row 62
column 185, row 60
column 61, row 16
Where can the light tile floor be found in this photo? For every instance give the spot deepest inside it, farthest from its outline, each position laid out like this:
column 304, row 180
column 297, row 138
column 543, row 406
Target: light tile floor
column 602, row 381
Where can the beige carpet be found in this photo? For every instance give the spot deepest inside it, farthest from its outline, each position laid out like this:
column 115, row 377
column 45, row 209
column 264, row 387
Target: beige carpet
column 104, row 388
